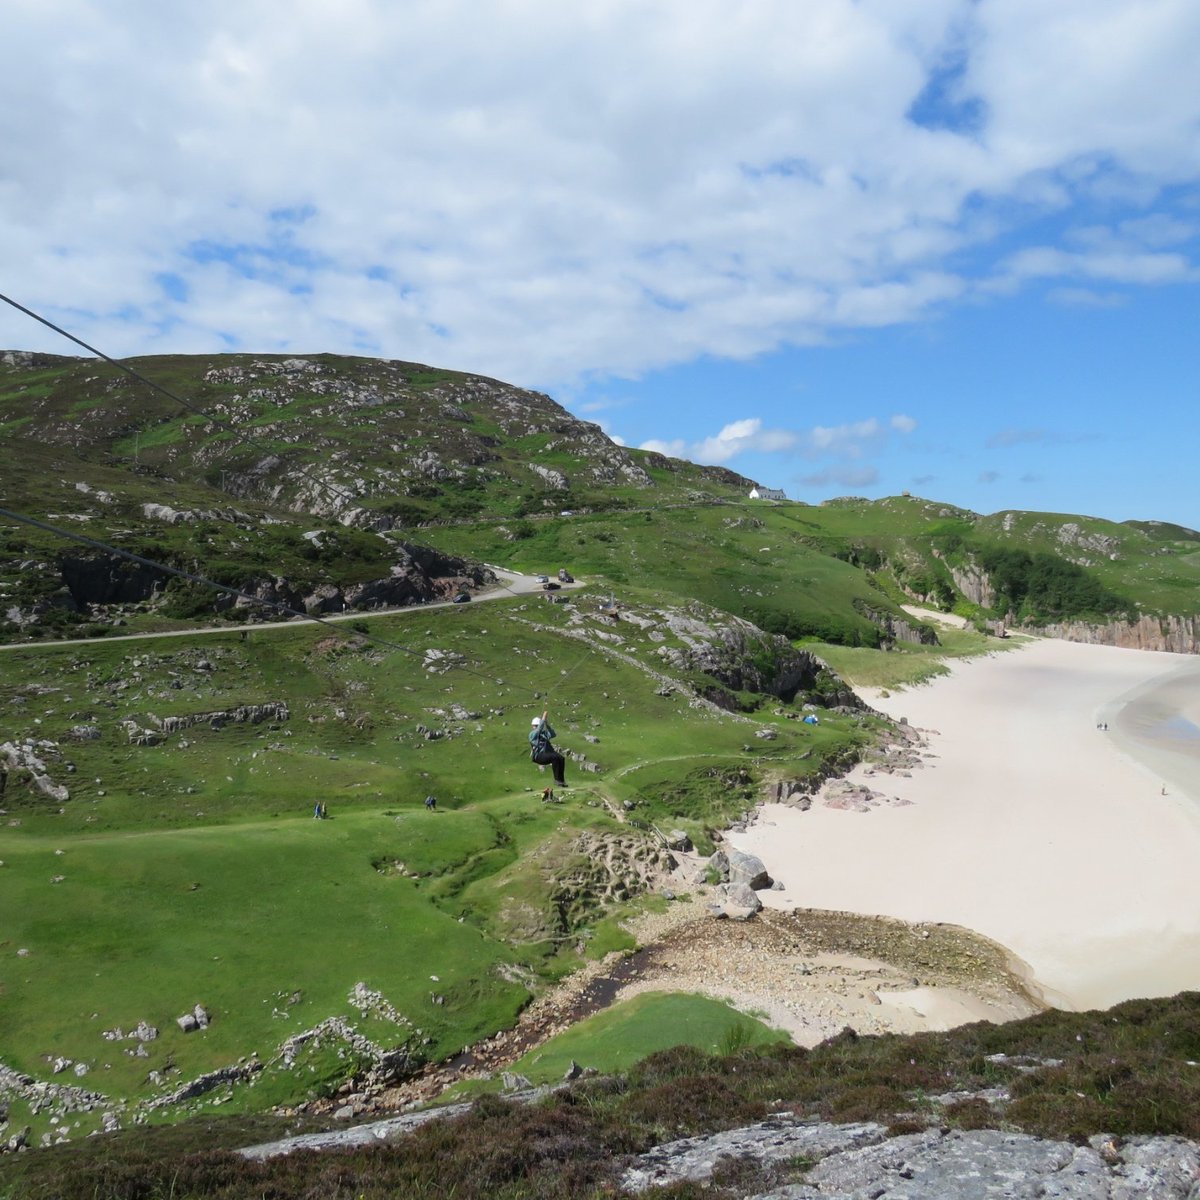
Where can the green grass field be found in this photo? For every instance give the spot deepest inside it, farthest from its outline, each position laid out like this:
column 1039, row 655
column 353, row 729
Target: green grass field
column 613, row 1040
column 192, row 871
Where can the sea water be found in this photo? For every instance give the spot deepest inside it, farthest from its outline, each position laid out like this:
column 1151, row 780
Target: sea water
column 1158, row 724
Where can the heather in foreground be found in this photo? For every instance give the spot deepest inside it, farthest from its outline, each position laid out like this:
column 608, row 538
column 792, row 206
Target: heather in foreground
column 1129, row 1071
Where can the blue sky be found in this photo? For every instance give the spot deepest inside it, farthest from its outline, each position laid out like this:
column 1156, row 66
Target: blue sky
column 840, row 246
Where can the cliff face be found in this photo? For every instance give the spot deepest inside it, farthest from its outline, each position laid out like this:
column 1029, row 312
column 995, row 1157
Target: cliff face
column 897, row 629
column 974, row 584
column 1178, row 635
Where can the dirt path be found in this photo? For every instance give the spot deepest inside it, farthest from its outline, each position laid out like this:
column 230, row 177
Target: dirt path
column 515, row 585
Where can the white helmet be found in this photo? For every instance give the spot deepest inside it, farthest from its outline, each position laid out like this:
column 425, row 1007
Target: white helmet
column 536, row 721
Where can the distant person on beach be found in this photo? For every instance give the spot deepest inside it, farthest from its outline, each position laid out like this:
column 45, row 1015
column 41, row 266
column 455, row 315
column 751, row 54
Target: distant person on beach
column 542, row 751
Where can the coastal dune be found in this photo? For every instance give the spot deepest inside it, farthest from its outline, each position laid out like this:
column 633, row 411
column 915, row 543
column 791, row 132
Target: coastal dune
column 1075, row 847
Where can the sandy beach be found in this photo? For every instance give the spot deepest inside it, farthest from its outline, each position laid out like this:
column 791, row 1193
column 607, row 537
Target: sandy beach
column 1076, row 848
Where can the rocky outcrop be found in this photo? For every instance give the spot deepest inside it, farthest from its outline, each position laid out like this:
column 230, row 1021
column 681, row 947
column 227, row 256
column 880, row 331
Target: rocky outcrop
column 32, row 360
column 420, row 574
column 1072, row 536
column 742, row 657
column 743, row 876
column 736, row 902
column 189, row 516
column 25, row 761
column 780, row 1139
column 551, row 477
column 203, row 1084
column 39, row 1094
column 243, row 714
column 1177, row 635
column 974, row 584
column 897, row 628
column 987, row 1164
column 103, row 579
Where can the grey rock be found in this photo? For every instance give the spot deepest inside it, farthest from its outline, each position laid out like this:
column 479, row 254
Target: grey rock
column 741, row 902
column 360, row 1135
column 748, row 869
column 859, row 1161
column 772, row 1141
column 989, row 1164
column 18, row 1141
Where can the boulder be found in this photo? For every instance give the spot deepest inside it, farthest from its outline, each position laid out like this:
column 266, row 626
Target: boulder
column 747, row 869
column 741, row 902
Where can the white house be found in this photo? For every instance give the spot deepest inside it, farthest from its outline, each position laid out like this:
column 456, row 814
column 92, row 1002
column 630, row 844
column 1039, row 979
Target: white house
column 766, row 493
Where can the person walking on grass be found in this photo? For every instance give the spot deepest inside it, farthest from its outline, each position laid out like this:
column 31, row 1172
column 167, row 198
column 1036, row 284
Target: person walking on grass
column 542, row 751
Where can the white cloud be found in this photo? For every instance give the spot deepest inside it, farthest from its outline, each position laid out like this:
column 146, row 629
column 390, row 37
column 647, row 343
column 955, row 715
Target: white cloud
column 1077, row 297
column 549, row 192
column 676, row 448
column 738, row 437
column 843, row 476
column 844, row 439
column 856, row 438
column 1006, row 438
column 850, row 441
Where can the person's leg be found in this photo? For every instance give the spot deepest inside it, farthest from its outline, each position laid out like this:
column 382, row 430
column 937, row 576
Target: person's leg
column 549, row 757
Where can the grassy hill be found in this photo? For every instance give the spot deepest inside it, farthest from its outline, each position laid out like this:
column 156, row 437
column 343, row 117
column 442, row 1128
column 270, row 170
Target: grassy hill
column 160, row 851
column 264, row 468
column 184, row 867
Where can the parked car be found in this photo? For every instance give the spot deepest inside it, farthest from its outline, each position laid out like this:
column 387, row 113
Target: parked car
column 462, row 598
column 543, row 579
column 567, row 512
column 550, row 587
column 565, row 576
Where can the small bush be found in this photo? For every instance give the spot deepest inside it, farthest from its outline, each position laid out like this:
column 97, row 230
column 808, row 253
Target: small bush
column 975, row 1113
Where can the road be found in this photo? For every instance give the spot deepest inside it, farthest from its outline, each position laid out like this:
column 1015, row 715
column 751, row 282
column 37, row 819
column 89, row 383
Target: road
column 512, row 584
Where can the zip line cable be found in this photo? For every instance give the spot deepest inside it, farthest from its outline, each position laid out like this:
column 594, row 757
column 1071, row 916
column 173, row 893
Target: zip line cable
column 241, row 437
column 332, row 488
column 228, row 426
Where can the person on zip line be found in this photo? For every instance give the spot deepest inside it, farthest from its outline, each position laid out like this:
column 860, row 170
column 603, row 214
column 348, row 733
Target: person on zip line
column 542, row 751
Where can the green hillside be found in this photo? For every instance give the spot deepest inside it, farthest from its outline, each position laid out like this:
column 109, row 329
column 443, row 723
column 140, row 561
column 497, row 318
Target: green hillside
column 158, row 793
column 180, row 863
